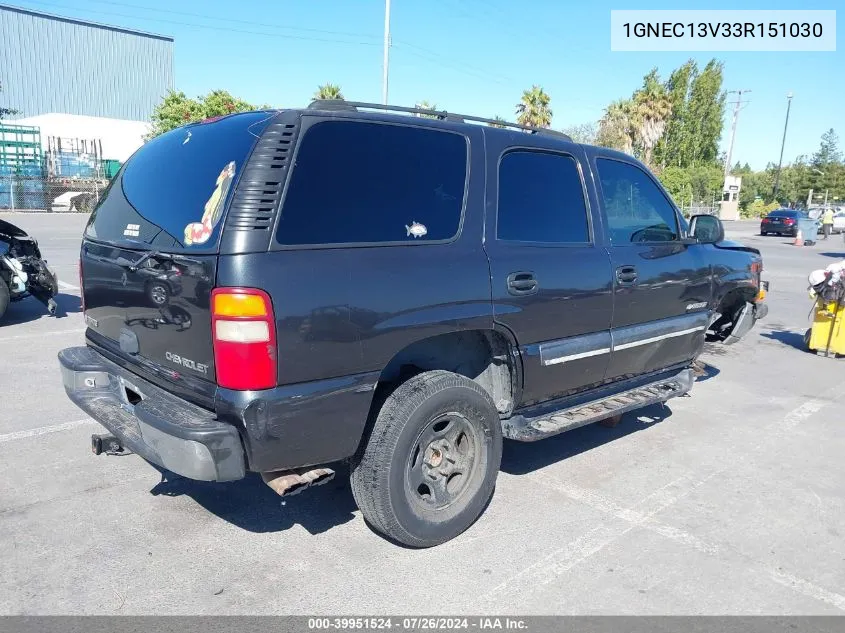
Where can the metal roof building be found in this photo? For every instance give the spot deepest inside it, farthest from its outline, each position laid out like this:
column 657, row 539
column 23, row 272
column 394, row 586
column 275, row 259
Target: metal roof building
column 52, row 64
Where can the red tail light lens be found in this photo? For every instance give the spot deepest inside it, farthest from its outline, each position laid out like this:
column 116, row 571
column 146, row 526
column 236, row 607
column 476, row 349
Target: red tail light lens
column 244, row 333
column 789, row 221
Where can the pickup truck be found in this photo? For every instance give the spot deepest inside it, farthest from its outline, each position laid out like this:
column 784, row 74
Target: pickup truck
column 279, row 292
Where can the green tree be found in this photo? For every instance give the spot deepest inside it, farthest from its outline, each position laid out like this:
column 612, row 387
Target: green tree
column 616, row 127
column 533, row 109
column 176, row 110
column 4, row 112
column 328, row 92
column 668, row 149
column 426, row 105
column 583, row 133
column 220, row 103
column 828, row 151
column 651, row 111
column 695, row 125
column 703, row 115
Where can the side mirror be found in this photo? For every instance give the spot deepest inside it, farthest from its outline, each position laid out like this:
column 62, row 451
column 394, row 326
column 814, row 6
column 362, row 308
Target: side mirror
column 707, row 229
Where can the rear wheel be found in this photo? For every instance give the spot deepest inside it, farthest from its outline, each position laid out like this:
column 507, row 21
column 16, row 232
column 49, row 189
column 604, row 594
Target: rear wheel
column 430, row 465
column 4, row 297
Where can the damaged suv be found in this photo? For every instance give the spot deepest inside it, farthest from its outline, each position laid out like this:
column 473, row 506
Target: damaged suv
column 396, row 292
column 22, row 271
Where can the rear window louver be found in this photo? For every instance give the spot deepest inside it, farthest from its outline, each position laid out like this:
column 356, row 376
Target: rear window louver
column 260, row 187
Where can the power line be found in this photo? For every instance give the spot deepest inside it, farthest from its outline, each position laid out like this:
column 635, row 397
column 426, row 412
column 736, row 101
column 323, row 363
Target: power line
column 234, row 20
column 436, row 59
column 208, row 26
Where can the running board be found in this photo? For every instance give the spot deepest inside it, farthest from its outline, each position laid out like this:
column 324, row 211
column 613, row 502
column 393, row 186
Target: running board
column 530, row 429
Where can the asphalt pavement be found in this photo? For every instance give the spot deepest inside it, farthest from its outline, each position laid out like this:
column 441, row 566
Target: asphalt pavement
column 730, row 501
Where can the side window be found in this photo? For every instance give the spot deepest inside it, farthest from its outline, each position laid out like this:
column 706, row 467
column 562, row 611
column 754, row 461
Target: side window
column 541, row 199
column 636, row 210
column 361, row 182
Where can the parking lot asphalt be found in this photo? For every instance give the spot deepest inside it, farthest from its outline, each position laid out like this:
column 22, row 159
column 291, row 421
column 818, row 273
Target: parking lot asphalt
column 730, row 501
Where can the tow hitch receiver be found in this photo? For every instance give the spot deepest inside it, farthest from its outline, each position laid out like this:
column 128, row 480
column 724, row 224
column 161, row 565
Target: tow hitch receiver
column 107, row 444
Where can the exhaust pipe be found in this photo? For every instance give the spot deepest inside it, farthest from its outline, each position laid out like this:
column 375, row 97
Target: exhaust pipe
column 287, row 483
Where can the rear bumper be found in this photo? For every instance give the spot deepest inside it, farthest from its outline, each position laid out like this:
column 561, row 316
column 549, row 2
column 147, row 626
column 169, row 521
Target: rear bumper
column 162, row 428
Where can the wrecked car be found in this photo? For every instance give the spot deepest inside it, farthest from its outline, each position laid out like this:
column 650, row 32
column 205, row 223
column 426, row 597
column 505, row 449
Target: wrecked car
column 396, row 292
column 23, row 273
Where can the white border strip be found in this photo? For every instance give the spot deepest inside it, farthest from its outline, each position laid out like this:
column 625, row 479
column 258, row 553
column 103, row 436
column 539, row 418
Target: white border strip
column 563, row 359
column 662, row 337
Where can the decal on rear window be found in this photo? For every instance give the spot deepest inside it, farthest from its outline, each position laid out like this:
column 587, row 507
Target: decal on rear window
column 199, row 232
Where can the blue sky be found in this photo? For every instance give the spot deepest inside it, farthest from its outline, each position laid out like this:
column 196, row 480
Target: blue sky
column 471, row 56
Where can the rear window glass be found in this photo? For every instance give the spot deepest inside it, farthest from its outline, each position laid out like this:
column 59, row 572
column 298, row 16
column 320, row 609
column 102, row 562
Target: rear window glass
column 173, row 192
column 359, row 182
column 783, row 214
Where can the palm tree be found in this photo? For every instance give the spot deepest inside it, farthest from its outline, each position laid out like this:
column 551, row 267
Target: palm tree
column 533, row 109
column 328, row 92
column 616, row 127
column 425, row 105
column 652, row 107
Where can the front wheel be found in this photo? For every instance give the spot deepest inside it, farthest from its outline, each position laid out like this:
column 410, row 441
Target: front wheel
column 431, row 462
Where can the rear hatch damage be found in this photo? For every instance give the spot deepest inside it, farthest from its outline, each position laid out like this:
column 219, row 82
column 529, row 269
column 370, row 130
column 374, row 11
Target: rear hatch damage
column 22, row 270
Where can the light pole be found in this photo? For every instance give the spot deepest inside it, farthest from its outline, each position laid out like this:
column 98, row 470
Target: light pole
column 782, row 144
column 386, row 51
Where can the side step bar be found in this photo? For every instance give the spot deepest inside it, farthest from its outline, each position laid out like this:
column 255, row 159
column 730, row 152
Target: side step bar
column 530, row 429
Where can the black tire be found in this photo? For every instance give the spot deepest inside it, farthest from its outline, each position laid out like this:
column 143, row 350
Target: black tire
column 764, row 233
column 398, row 455
column 5, row 297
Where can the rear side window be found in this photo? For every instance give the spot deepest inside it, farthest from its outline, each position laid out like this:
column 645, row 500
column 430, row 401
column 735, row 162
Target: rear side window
column 361, row 182
column 636, row 209
column 541, row 199
column 173, row 192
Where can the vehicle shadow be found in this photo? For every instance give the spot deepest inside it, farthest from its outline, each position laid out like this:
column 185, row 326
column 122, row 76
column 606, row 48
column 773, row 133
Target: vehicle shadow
column 30, row 309
column 251, row 505
column 836, row 255
column 792, row 339
column 521, row 458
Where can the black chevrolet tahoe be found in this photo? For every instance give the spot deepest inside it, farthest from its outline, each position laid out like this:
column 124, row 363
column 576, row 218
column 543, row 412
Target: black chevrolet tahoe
column 279, row 292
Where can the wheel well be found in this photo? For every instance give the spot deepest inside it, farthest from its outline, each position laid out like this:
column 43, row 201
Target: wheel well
column 729, row 307
column 484, row 356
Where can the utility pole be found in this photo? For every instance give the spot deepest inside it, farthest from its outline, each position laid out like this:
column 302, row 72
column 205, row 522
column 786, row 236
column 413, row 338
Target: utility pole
column 783, row 142
column 737, row 108
column 386, row 63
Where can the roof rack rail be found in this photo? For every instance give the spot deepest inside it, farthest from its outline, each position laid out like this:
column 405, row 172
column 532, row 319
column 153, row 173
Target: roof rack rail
column 443, row 115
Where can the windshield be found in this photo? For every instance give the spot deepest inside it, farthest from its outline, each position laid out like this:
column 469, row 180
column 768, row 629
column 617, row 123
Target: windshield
column 173, row 192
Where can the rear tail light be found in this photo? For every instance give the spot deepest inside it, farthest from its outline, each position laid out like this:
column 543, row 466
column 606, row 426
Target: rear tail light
column 789, row 221
column 244, row 334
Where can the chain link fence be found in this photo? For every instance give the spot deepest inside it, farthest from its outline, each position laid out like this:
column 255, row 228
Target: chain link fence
column 700, row 208
column 40, row 194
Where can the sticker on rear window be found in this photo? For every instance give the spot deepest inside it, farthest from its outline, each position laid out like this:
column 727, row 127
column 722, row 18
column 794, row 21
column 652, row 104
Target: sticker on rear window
column 200, row 232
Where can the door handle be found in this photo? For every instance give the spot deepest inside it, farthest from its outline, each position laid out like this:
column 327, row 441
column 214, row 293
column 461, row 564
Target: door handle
column 626, row 275
column 522, row 283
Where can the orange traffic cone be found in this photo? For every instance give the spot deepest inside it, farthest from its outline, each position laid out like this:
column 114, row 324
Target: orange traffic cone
column 799, row 238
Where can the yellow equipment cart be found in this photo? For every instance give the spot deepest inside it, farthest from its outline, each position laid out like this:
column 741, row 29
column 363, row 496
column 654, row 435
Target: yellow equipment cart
column 827, row 336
